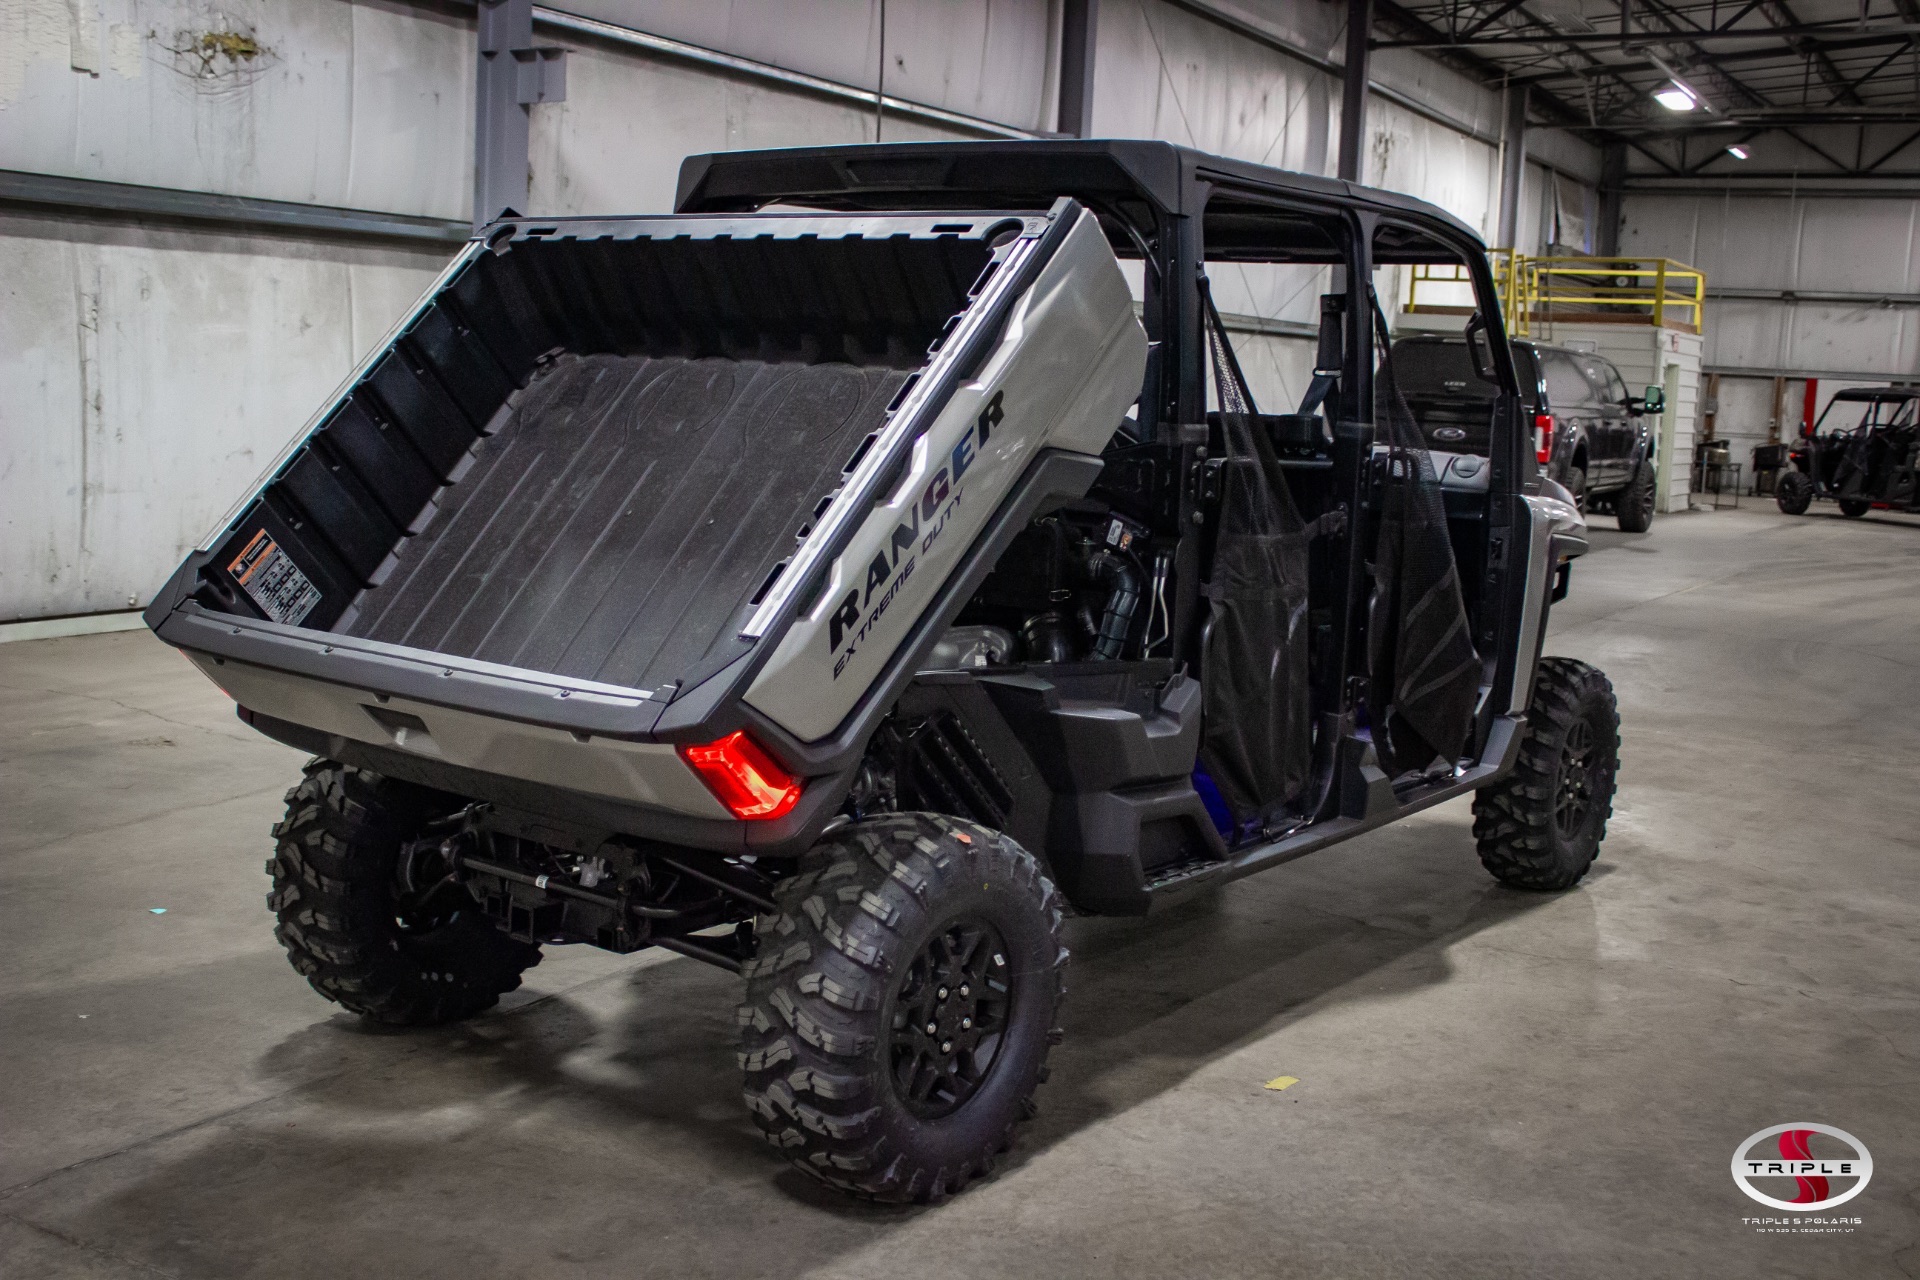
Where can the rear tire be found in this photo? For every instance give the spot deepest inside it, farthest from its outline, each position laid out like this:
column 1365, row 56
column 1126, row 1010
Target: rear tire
column 1541, row 825
column 1793, row 492
column 341, row 918
column 893, row 926
column 1634, row 507
column 1854, row 508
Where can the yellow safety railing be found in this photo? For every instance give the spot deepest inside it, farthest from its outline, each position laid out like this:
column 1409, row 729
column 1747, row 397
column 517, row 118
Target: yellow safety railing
column 1656, row 291
column 1651, row 291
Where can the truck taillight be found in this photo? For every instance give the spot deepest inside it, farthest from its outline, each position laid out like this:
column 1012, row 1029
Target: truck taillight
column 744, row 777
column 1543, row 437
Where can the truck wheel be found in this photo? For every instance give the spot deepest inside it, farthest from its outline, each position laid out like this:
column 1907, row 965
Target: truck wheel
column 1793, row 492
column 1854, row 508
column 351, row 929
column 1541, row 825
column 1634, row 507
column 1577, row 486
column 900, row 1008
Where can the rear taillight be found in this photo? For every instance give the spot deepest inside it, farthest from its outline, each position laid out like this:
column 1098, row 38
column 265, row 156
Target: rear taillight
column 744, row 777
column 1543, row 437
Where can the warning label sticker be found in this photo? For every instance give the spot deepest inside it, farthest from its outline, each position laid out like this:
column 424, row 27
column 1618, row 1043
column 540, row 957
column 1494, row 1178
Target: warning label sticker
column 274, row 581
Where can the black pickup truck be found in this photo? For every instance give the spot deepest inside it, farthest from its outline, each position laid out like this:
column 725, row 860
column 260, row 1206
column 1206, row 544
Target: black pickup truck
column 1589, row 433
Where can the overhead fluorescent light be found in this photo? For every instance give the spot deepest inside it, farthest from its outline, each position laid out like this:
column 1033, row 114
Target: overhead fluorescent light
column 1676, row 97
column 1738, row 153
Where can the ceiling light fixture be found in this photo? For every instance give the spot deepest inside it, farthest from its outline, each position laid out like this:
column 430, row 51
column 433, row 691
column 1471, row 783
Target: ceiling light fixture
column 1738, row 153
column 1676, row 97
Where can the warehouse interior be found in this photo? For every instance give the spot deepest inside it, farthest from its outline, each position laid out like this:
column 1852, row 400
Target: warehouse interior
column 1373, row 1061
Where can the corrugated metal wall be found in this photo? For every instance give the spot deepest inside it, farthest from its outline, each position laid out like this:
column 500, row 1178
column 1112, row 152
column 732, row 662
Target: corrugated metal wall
column 148, row 370
column 1866, row 248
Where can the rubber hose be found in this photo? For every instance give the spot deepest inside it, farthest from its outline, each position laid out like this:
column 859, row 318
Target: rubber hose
column 1106, row 568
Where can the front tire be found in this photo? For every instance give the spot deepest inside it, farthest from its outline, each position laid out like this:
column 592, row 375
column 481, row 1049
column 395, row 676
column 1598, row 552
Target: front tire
column 1541, row 825
column 1793, row 492
column 348, row 926
column 900, row 1009
column 1634, row 507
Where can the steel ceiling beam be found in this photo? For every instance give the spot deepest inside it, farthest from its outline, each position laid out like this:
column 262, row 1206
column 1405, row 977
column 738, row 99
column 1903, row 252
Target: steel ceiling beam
column 1814, row 32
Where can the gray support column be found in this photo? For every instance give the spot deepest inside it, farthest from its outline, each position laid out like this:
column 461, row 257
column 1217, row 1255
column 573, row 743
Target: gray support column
column 1513, row 166
column 1613, row 178
column 1079, row 21
column 511, row 76
column 1353, row 89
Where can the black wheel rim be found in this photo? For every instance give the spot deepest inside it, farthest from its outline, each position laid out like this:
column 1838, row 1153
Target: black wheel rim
column 950, row 1018
column 1582, row 779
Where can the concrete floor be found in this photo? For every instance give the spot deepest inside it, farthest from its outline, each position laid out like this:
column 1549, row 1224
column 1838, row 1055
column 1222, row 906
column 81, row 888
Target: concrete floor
column 1491, row 1083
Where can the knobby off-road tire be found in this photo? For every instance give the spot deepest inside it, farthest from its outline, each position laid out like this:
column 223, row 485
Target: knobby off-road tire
column 1633, row 508
column 340, row 915
column 1541, row 825
column 894, row 926
column 1793, row 492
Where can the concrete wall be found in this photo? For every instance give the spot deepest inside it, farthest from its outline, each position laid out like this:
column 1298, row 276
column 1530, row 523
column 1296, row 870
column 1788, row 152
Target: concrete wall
column 147, row 375
column 148, row 370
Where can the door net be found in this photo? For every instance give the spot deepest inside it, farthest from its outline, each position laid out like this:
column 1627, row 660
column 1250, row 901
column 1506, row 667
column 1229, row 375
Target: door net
column 1256, row 744
column 1423, row 673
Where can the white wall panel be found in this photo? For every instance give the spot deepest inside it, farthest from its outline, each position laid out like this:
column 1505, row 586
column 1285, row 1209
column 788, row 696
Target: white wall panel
column 1166, row 73
column 615, row 145
column 1163, row 73
column 1278, row 370
column 1865, row 246
column 147, row 376
column 363, row 105
column 1809, row 245
column 1845, row 339
column 987, row 58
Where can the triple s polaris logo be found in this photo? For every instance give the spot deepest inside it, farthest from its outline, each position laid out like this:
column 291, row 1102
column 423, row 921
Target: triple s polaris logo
column 1825, row 1166
column 914, row 536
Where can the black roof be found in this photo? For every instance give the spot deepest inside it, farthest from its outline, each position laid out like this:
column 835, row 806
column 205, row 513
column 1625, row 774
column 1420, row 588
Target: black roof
column 1878, row 394
column 1141, row 181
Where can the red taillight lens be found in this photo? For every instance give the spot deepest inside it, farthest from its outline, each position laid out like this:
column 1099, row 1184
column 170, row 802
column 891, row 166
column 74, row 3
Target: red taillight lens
column 1543, row 437
column 744, row 777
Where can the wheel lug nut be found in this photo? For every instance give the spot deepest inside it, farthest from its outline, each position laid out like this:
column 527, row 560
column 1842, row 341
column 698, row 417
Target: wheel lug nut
column 946, row 1046
column 943, row 993
column 966, row 1024
column 965, row 990
column 933, row 1028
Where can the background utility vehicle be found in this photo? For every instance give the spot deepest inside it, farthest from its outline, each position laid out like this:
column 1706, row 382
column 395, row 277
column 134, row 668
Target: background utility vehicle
column 1588, row 433
column 839, row 596
column 1862, row 452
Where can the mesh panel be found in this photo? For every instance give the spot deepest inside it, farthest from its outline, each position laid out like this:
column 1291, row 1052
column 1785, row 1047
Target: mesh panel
column 1256, row 744
column 1421, row 665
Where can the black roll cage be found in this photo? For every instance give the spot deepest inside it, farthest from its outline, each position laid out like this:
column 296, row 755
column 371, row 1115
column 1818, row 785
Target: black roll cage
column 1174, row 208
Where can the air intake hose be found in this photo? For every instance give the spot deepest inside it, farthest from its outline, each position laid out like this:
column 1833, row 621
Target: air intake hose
column 1116, row 572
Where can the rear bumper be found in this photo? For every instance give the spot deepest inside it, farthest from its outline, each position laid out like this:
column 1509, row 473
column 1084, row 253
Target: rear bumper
column 649, row 774
column 368, row 670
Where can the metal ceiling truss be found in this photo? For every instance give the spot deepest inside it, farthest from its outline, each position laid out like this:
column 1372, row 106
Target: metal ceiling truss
column 1842, row 69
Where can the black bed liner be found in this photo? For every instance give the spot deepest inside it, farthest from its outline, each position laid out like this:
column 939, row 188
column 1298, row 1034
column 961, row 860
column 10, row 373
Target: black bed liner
column 587, row 454
column 626, row 509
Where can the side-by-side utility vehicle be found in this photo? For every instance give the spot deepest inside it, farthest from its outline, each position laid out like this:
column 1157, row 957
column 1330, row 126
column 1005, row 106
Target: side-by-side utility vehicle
column 1863, row 452
column 843, row 578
